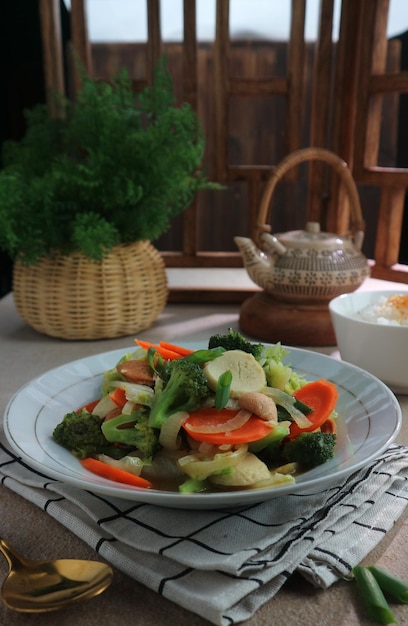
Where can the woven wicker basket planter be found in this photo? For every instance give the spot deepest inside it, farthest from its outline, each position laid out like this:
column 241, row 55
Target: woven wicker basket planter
column 71, row 297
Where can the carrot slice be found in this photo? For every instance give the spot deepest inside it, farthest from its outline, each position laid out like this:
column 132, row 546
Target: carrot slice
column 321, row 396
column 119, row 397
column 254, row 429
column 166, row 354
column 114, row 473
column 329, row 426
column 176, row 348
column 88, row 407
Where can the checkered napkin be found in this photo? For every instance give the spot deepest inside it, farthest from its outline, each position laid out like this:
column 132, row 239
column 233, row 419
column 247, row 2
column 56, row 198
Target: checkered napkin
column 224, row 564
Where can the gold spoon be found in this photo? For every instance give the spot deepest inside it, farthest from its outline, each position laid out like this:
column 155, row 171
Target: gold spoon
column 41, row 586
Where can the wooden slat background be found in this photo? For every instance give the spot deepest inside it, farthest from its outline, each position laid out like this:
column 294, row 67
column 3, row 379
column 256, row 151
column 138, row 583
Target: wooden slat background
column 259, row 101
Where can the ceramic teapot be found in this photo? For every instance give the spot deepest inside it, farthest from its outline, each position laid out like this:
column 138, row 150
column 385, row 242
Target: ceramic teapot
column 306, row 266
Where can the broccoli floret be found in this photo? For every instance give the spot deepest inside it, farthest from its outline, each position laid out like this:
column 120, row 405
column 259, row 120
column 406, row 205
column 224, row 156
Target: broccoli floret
column 183, row 389
column 194, row 485
column 233, row 340
column 268, row 448
column 139, row 435
column 279, row 375
column 310, row 449
column 81, row 434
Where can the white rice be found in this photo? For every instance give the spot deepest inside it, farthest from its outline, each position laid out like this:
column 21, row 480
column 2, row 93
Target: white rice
column 391, row 311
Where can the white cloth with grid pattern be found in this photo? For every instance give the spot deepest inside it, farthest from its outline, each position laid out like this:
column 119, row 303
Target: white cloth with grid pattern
column 224, row 564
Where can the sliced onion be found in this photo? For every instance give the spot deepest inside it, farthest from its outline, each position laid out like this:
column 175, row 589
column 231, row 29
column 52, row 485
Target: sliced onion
column 196, row 467
column 287, row 402
column 288, row 468
column 276, row 480
column 104, row 406
column 164, row 469
column 206, row 449
column 234, row 423
column 282, row 424
column 300, row 418
column 135, row 392
column 128, row 408
column 168, row 437
column 132, row 464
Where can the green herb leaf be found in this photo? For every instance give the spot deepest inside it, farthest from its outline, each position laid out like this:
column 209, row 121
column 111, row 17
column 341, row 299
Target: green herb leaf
column 112, row 167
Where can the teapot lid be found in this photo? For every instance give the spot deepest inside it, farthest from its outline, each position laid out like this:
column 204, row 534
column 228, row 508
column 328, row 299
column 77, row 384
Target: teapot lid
column 311, row 235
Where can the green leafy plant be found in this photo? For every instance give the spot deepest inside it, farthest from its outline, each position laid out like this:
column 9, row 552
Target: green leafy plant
column 113, row 167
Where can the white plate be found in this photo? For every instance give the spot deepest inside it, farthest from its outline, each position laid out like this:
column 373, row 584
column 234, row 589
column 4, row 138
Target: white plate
column 369, row 421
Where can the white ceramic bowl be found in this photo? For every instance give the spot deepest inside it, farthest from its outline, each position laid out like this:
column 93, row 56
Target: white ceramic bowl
column 379, row 349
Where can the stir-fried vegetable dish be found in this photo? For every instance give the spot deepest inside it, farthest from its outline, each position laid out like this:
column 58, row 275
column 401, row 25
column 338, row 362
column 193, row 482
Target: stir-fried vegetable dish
column 231, row 416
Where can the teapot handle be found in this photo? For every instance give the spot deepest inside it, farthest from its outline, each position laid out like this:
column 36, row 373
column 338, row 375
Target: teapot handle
column 294, row 159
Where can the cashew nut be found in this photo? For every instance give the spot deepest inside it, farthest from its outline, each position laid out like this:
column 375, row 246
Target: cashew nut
column 261, row 405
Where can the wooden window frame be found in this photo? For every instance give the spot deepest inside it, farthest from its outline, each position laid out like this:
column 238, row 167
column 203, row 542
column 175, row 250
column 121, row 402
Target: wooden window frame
column 349, row 90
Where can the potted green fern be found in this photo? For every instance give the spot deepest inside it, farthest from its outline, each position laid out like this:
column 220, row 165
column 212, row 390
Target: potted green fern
column 106, row 175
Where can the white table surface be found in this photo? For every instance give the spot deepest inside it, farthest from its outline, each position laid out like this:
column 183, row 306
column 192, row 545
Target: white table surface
column 25, row 354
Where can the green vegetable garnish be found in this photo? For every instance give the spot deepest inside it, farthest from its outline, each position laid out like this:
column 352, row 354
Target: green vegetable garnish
column 203, row 356
column 394, row 586
column 223, row 390
column 193, row 485
column 372, row 595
